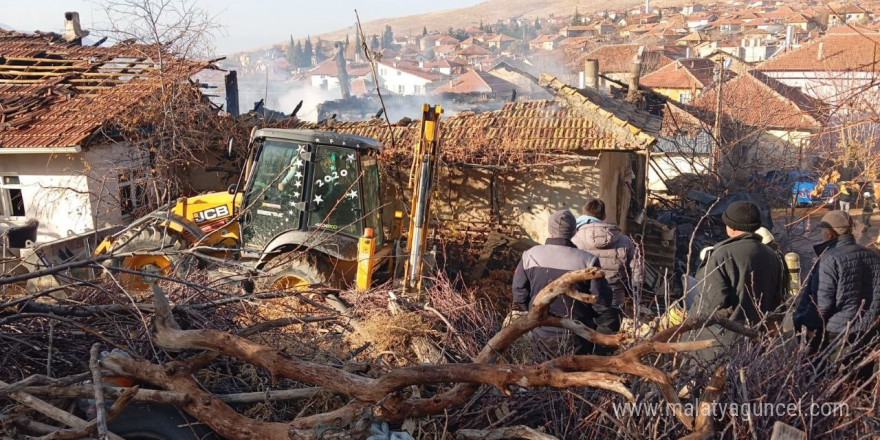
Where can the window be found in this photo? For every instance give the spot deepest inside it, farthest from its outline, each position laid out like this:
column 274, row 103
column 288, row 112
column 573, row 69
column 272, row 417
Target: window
column 398, row 73
column 335, row 202
column 401, row 89
column 132, row 187
column 684, row 97
column 417, row 89
column 11, row 199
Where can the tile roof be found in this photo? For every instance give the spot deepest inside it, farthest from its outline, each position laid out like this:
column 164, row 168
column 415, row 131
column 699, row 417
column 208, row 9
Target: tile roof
column 473, row 81
column 632, row 127
column 519, row 130
column 835, row 52
column 618, row 58
column 54, row 94
column 760, row 101
column 692, row 73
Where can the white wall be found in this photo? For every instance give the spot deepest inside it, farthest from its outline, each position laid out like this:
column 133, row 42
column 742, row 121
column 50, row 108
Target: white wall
column 393, row 79
column 70, row 193
column 55, row 193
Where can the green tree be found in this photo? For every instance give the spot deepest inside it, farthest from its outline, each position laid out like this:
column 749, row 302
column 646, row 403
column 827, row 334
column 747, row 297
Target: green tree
column 387, row 37
column 319, row 51
column 291, row 53
column 537, row 24
column 374, row 43
column 308, row 53
column 577, row 19
column 424, row 31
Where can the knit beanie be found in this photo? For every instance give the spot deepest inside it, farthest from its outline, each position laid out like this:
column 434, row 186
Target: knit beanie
column 742, row 216
column 562, row 224
column 839, row 221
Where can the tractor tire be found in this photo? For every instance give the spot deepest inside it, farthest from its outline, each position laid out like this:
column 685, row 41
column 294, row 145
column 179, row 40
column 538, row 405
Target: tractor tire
column 151, row 421
column 301, row 273
column 151, row 239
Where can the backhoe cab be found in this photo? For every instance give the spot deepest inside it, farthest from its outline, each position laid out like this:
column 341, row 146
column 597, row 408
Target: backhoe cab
column 313, row 195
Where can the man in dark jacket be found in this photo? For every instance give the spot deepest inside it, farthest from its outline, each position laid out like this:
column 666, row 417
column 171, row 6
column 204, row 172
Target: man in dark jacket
column 742, row 273
column 843, row 293
column 615, row 250
column 543, row 264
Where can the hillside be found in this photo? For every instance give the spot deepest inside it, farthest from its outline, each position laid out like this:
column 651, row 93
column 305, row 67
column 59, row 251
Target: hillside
column 489, row 12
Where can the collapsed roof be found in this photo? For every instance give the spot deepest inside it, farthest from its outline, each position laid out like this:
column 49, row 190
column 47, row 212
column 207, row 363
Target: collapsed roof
column 55, row 94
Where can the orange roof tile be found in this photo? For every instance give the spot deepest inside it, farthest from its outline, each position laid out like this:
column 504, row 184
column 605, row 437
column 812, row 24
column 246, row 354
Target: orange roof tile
column 473, row 81
column 54, row 94
column 840, row 51
column 618, row 58
column 758, row 100
column 693, row 73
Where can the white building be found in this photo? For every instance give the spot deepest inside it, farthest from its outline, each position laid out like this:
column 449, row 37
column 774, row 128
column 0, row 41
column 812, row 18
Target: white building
column 405, row 80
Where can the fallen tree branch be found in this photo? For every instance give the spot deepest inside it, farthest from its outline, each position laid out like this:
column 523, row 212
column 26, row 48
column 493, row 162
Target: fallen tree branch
column 97, row 382
column 50, row 411
column 94, row 425
column 507, row 432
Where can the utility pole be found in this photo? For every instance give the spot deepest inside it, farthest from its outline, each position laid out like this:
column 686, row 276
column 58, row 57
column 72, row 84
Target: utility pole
column 716, row 131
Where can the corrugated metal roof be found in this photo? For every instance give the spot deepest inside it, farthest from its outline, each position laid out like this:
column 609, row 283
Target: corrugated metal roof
column 55, row 94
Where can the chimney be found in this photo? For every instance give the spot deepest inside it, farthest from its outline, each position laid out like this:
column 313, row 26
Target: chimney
column 819, row 52
column 73, row 33
column 789, row 31
column 687, row 51
column 635, row 72
column 591, row 73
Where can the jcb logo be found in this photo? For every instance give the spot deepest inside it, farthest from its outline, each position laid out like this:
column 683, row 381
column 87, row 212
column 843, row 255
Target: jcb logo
column 211, row 214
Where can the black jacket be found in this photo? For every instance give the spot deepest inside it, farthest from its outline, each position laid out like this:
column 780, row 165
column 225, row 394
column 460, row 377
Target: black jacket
column 848, row 294
column 744, row 274
column 806, row 312
column 543, row 264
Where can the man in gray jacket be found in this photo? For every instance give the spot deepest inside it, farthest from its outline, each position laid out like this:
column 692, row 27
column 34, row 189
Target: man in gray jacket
column 616, row 252
column 543, row 264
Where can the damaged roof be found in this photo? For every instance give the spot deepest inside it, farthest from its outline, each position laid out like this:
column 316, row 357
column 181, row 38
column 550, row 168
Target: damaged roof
column 571, row 123
column 54, row 94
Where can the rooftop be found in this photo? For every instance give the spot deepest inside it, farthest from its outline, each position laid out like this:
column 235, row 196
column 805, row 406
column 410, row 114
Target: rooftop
column 56, row 94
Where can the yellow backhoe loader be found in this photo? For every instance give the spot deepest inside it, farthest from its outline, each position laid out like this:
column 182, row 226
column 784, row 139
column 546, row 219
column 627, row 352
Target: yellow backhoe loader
column 313, row 196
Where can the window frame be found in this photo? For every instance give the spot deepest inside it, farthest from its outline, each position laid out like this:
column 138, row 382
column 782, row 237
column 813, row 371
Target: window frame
column 7, row 209
column 135, row 179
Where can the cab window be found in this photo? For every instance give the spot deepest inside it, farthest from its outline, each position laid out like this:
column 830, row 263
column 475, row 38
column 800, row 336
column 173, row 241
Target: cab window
column 335, row 200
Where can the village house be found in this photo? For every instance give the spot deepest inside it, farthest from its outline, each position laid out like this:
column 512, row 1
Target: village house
column 545, row 42
column 616, row 60
column 586, row 144
column 325, row 76
column 474, row 81
column 681, row 80
column 846, row 13
column 779, row 119
column 831, row 67
column 405, row 80
column 63, row 165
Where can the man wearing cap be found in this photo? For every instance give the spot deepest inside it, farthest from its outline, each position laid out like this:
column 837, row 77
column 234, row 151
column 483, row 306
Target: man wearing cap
column 543, row 264
column 846, row 287
column 742, row 273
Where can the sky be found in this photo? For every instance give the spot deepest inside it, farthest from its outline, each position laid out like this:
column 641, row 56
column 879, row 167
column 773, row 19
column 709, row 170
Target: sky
column 247, row 24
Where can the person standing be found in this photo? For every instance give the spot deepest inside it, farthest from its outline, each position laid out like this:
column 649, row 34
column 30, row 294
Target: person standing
column 848, row 289
column 742, row 273
column 868, row 209
column 543, row 264
column 845, row 197
column 616, row 252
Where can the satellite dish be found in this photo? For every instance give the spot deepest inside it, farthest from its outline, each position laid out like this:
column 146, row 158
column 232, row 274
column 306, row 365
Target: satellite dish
column 727, row 63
